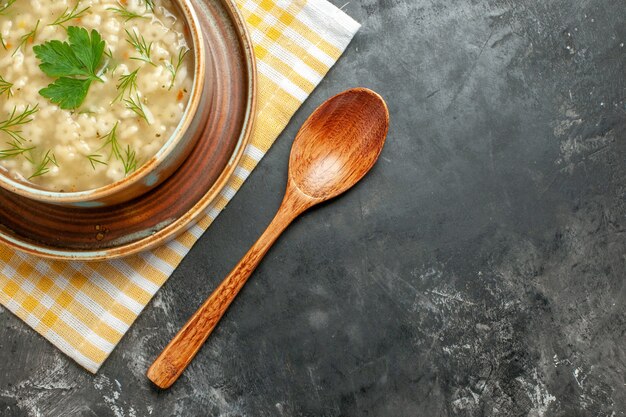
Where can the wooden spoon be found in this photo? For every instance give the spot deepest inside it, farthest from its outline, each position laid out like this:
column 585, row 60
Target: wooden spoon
column 335, row 148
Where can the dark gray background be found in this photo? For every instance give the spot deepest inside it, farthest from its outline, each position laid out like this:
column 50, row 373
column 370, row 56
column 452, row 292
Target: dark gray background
column 478, row 271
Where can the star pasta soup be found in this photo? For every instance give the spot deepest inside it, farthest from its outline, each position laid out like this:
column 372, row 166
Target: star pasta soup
column 90, row 89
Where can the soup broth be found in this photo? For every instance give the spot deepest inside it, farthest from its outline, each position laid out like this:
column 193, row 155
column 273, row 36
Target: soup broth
column 92, row 118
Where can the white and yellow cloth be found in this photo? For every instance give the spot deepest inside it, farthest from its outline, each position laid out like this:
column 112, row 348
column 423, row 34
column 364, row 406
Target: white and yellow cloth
column 84, row 309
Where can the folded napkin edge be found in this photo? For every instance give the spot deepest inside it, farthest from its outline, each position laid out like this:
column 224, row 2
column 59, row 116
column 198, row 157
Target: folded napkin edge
column 338, row 15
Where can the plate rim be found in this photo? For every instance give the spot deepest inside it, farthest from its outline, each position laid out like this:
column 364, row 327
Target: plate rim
column 187, row 220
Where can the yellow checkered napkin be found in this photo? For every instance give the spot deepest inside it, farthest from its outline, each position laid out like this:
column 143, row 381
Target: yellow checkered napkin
column 84, row 309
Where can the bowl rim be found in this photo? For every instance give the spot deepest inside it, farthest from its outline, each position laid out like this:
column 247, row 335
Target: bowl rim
column 187, row 220
column 92, row 197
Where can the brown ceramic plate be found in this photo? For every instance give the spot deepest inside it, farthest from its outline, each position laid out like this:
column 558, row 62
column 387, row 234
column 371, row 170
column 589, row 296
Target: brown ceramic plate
column 102, row 233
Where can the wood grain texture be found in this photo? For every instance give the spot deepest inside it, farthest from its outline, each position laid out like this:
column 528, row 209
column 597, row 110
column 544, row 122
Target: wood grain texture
column 183, row 348
column 334, row 149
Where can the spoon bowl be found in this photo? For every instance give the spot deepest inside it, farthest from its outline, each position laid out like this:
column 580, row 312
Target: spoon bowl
column 335, row 148
column 339, row 143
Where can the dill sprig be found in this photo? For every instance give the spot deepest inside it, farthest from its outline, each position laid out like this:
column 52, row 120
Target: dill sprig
column 11, row 125
column 174, row 67
column 14, row 148
column 5, row 87
column 110, row 139
column 96, row 159
column 128, row 157
column 139, row 43
column 3, row 43
column 129, row 160
column 68, row 15
column 111, row 64
column 6, row 5
column 135, row 105
column 126, row 84
column 28, row 37
column 149, row 5
column 43, row 167
column 124, row 13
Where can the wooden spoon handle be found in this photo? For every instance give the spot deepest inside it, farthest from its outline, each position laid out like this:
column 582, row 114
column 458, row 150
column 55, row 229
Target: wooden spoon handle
column 181, row 350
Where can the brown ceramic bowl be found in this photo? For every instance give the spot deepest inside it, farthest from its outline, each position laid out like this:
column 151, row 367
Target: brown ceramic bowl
column 95, row 233
column 167, row 159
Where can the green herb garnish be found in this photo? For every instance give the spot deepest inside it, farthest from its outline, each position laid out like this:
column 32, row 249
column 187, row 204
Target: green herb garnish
column 75, row 63
column 149, row 5
column 127, row 157
column 129, row 160
column 6, row 5
column 111, row 64
column 135, row 105
column 174, row 67
column 139, row 43
column 127, row 83
column 5, row 87
column 68, row 15
column 95, row 159
column 124, row 13
column 68, row 93
column 14, row 148
column 28, row 37
column 3, row 43
column 110, row 139
column 12, row 125
column 43, row 167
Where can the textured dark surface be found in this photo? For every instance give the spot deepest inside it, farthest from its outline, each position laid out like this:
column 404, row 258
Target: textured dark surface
column 478, row 271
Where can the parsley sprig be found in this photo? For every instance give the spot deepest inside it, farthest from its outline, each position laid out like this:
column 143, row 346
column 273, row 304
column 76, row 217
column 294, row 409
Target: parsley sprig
column 75, row 63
